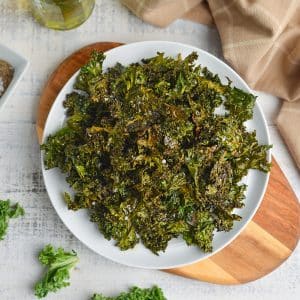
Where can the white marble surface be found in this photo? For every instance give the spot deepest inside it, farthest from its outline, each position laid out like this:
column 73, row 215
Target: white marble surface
column 20, row 174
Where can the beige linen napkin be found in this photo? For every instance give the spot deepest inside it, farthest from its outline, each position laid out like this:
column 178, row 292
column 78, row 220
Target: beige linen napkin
column 260, row 40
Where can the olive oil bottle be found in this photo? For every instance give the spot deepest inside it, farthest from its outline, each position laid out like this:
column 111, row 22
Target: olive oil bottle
column 62, row 14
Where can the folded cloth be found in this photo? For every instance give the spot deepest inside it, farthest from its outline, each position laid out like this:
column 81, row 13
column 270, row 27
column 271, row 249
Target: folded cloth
column 260, row 40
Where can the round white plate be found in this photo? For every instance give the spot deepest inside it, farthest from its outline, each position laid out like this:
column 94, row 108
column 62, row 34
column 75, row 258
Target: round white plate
column 177, row 253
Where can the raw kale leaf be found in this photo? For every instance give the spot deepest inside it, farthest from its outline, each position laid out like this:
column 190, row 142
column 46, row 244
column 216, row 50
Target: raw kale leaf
column 8, row 211
column 58, row 263
column 146, row 151
column 135, row 293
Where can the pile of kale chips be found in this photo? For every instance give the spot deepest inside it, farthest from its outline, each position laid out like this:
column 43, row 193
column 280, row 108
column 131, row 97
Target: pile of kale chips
column 146, row 153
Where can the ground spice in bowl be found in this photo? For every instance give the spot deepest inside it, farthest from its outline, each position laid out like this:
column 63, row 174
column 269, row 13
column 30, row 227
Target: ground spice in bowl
column 6, row 75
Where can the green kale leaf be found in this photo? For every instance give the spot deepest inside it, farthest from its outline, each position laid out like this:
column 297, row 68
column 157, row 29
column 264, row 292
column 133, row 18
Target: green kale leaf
column 58, row 263
column 135, row 293
column 8, row 211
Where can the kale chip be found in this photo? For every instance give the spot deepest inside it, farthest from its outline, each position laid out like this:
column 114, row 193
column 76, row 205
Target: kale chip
column 145, row 150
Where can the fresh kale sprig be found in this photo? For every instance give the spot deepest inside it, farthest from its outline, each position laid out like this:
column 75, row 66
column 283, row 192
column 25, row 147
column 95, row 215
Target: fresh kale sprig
column 135, row 293
column 58, row 263
column 8, row 211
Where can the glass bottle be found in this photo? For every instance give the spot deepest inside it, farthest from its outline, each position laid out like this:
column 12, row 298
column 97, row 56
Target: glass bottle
column 62, row 14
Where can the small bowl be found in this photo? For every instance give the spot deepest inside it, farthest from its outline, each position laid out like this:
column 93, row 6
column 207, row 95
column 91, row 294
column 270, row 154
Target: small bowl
column 19, row 64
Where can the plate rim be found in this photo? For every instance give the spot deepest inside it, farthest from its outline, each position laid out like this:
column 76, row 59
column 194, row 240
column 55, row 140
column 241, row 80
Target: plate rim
column 253, row 211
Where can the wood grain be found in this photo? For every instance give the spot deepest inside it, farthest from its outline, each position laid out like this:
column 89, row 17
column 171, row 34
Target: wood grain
column 268, row 239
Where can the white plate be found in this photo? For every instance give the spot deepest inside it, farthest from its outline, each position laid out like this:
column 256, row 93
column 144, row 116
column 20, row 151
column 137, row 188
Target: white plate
column 177, row 253
column 19, row 64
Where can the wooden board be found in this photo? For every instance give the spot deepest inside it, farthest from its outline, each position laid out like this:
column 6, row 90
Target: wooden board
column 268, row 239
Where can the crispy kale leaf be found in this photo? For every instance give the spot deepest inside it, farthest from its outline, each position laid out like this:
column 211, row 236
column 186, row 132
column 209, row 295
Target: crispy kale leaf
column 146, row 151
column 135, row 293
column 8, row 211
column 58, row 263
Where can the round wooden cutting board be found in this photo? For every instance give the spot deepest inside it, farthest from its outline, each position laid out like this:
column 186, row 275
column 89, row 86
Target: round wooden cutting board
column 268, row 239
